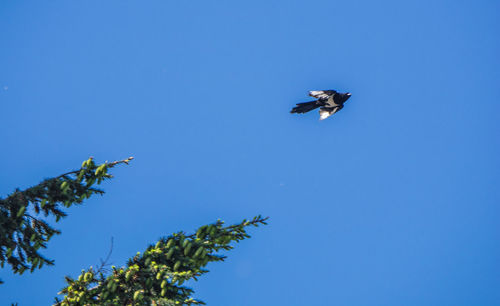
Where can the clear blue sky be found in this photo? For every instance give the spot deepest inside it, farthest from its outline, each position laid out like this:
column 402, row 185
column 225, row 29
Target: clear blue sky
column 392, row 201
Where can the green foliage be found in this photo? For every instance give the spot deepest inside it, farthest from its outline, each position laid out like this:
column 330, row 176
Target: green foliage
column 153, row 278
column 156, row 277
column 23, row 232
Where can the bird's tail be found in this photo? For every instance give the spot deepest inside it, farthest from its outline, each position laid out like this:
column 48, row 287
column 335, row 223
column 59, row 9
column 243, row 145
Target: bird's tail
column 304, row 107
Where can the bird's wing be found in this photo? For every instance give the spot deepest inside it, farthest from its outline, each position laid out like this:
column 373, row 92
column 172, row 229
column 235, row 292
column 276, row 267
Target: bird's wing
column 326, row 112
column 322, row 94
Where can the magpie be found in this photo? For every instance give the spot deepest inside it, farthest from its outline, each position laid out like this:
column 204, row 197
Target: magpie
column 329, row 101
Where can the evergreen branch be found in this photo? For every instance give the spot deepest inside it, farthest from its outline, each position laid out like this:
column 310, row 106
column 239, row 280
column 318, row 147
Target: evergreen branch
column 23, row 231
column 156, row 277
column 109, row 165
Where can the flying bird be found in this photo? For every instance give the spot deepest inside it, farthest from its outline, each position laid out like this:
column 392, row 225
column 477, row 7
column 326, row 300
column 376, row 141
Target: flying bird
column 329, row 102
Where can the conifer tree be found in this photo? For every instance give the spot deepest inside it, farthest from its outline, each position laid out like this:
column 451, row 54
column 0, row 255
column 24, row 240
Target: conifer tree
column 155, row 277
column 24, row 215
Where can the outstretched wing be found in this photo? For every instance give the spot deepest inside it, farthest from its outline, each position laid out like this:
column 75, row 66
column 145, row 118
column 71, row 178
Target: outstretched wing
column 322, row 94
column 326, row 112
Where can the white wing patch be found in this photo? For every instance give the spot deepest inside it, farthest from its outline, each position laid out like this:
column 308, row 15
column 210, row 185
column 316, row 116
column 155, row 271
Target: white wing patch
column 323, row 114
column 320, row 94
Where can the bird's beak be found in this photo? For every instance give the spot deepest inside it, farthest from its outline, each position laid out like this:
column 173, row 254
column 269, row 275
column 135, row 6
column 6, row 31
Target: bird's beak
column 349, row 94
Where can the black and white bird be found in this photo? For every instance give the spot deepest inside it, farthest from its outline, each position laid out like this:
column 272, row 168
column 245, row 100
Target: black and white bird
column 329, row 101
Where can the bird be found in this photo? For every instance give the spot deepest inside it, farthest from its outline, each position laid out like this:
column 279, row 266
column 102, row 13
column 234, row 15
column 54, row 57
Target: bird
column 329, row 102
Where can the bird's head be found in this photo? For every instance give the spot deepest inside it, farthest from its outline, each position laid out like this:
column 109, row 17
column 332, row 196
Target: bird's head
column 346, row 96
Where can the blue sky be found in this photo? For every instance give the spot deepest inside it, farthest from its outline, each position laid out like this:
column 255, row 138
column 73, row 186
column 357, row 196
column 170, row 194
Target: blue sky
column 392, row 201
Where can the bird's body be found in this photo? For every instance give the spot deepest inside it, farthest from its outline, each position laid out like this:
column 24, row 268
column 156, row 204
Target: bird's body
column 329, row 102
